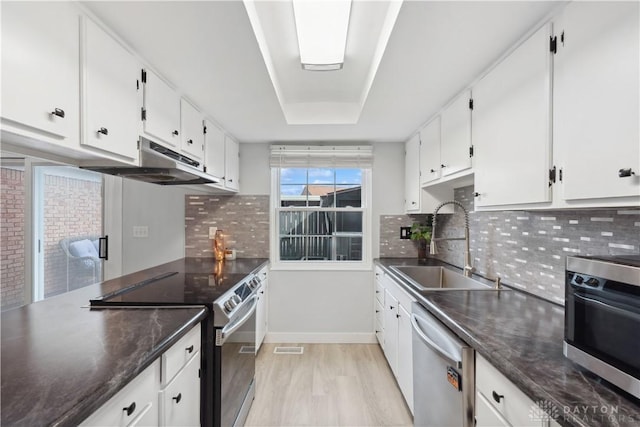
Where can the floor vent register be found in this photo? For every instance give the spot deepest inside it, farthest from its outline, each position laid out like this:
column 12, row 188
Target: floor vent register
column 288, row 350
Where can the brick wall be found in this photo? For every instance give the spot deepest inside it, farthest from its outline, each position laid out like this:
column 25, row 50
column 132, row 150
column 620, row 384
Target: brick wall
column 11, row 237
column 72, row 207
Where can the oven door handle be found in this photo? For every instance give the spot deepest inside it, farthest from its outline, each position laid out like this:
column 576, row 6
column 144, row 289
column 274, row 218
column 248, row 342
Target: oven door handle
column 232, row 327
column 623, row 312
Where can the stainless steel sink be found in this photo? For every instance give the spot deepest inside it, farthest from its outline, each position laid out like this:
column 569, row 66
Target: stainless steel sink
column 425, row 278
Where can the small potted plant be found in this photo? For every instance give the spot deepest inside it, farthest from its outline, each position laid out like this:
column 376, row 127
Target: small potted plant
column 421, row 234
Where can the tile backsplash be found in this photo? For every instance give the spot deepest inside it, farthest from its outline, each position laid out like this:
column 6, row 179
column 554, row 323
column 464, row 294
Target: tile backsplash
column 528, row 249
column 243, row 219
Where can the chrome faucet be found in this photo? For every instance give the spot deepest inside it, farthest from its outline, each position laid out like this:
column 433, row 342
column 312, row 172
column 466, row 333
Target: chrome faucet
column 468, row 269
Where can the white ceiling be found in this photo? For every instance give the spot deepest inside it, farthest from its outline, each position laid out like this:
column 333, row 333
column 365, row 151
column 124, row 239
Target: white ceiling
column 208, row 50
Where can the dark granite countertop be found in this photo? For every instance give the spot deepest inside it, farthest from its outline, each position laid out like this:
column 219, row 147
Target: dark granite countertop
column 61, row 360
column 521, row 335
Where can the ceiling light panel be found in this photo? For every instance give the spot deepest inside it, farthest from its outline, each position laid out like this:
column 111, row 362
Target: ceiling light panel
column 322, row 27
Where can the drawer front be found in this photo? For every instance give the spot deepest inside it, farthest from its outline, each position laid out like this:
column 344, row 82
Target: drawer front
column 514, row 405
column 179, row 354
column 379, row 292
column 140, row 397
column 379, row 315
column 487, row 415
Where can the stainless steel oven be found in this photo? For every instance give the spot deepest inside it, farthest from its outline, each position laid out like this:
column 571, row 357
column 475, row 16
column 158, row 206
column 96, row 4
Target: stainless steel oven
column 234, row 360
column 602, row 318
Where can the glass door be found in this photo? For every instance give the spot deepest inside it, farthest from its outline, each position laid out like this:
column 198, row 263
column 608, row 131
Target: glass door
column 68, row 245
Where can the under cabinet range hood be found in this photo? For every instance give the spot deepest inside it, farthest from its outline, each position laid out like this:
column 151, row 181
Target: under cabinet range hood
column 159, row 165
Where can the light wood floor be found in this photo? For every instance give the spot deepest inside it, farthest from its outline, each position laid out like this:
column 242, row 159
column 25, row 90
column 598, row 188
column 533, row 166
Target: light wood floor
column 328, row 385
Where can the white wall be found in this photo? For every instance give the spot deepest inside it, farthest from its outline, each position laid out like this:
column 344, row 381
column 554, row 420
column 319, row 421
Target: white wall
column 161, row 208
column 320, row 306
column 255, row 174
column 326, row 306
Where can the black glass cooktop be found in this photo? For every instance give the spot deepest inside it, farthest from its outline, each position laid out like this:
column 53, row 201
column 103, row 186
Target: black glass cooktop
column 172, row 288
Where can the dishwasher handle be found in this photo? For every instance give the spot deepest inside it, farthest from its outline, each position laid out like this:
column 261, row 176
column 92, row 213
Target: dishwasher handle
column 429, row 342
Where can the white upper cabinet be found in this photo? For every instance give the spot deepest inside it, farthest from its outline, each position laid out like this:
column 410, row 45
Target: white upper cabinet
column 596, row 112
column 231, row 164
column 213, row 150
column 192, row 125
column 430, row 152
column 511, row 127
column 40, row 70
column 412, row 174
column 109, row 95
column 161, row 114
column 456, row 135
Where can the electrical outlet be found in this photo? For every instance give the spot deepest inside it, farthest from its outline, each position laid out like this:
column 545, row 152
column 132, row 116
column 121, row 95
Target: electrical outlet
column 141, row 231
column 212, row 232
column 405, row 233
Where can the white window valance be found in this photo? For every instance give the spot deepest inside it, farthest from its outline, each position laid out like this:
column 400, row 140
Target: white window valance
column 321, row 156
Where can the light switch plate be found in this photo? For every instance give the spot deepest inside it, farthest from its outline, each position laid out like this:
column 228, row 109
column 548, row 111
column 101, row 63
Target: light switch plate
column 141, row 231
column 405, row 233
column 212, row 232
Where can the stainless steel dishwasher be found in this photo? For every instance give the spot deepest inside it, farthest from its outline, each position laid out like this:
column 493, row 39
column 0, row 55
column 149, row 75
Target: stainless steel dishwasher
column 443, row 374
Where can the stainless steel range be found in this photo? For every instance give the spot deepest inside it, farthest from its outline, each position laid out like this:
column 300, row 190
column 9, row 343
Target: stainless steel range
column 228, row 334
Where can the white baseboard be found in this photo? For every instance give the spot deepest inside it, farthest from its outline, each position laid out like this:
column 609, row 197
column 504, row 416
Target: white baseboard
column 321, row 337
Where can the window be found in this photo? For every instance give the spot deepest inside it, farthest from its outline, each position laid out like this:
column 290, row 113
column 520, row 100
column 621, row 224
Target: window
column 321, row 213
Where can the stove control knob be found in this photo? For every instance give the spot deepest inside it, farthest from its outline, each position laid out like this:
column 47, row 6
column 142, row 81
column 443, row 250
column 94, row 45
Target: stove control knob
column 253, row 284
column 579, row 279
column 236, row 300
column 228, row 306
column 593, row 282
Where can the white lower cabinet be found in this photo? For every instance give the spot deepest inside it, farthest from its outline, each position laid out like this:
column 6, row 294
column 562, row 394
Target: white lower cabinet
column 500, row 403
column 261, row 308
column 136, row 404
column 180, row 399
column 405, row 355
column 393, row 330
column 166, row 393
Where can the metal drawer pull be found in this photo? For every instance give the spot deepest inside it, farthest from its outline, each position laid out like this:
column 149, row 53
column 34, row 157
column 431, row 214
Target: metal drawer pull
column 175, row 132
column 624, row 173
column 178, row 398
column 497, row 397
column 103, row 131
column 189, row 349
column 130, row 409
column 58, row 112
column 190, row 141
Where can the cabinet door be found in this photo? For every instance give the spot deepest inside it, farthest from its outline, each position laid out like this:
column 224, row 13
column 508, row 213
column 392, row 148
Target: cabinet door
column 231, row 164
column 487, row 415
column 412, row 174
column 214, row 150
column 430, row 152
column 596, row 105
column 162, row 111
column 456, row 135
column 192, row 125
column 261, row 315
column 138, row 398
column 180, row 400
column 40, row 69
column 511, row 127
column 405, row 356
column 110, row 95
column 391, row 331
